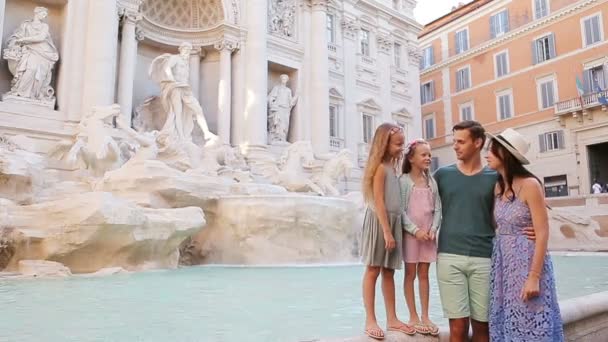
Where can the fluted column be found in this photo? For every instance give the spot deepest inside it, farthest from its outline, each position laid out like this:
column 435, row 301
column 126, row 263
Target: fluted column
column 2, row 7
column 319, row 78
column 128, row 61
column 195, row 72
column 224, row 93
column 385, row 45
column 352, row 118
column 256, row 74
column 70, row 77
column 101, row 54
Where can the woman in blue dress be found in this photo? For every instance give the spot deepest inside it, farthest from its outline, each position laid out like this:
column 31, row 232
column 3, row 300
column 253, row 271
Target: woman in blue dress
column 523, row 300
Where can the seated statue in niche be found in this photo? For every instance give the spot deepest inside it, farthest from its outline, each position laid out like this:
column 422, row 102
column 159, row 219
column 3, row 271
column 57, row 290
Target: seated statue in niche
column 31, row 56
column 182, row 108
column 280, row 103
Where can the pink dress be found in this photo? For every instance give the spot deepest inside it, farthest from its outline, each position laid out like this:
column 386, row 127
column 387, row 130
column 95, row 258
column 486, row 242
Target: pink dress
column 420, row 212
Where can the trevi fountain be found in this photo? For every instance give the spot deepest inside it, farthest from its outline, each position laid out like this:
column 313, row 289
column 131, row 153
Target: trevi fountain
column 113, row 161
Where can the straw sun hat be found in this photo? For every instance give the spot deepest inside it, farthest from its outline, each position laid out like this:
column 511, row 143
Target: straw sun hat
column 514, row 142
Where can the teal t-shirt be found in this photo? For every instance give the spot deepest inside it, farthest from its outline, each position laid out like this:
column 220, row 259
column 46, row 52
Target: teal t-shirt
column 467, row 203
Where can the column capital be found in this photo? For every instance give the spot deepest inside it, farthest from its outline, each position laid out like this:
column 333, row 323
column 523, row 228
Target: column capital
column 319, row 5
column 139, row 33
column 385, row 43
column 414, row 53
column 129, row 10
column 350, row 27
column 226, row 44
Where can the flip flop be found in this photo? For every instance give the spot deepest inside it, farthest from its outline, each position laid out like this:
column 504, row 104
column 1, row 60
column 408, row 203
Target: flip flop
column 433, row 330
column 402, row 330
column 422, row 328
column 370, row 332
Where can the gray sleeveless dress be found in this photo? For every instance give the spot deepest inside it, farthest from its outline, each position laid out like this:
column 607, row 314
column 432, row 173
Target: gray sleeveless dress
column 372, row 248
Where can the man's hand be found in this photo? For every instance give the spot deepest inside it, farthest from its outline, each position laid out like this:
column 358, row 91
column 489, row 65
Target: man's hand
column 529, row 233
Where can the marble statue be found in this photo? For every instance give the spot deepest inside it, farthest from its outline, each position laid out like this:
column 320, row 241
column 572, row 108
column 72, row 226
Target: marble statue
column 93, row 147
column 171, row 72
column 340, row 165
column 280, row 103
column 31, row 56
column 290, row 171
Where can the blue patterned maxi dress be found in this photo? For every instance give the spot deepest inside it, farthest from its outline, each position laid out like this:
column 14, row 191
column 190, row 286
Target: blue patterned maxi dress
column 512, row 319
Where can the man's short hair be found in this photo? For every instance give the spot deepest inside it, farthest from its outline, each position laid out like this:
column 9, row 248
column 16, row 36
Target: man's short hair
column 475, row 129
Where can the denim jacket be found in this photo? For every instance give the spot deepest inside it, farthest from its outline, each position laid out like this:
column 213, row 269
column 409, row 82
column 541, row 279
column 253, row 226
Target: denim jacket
column 406, row 184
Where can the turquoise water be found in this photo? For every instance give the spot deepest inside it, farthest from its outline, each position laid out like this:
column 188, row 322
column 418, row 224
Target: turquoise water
column 221, row 303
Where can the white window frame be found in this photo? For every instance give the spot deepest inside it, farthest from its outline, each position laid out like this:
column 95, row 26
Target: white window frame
column 456, row 40
column 466, row 67
column 371, row 128
column 331, row 29
column 469, row 105
column 549, row 138
column 601, row 29
column 511, row 104
column 338, row 121
column 363, row 51
column 426, row 118
column 539, row 92
column 398, row 55
column 546, row 35
column 501, row 33
column 430, row 63
column 506, row 51
column 431, row 82
column 534, row 9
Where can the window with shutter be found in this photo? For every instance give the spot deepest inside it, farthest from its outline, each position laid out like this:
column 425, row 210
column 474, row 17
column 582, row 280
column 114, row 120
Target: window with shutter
column 592, row 30
column 541, row 8
column 462, row 41
column 502, row 64
column 504, row 105
column 542, row 143
column 434, row 163
column 551, row 141
column 543, row 49
column 429, row 127
column 499, row 24
column 547, row 94
column 463, row 80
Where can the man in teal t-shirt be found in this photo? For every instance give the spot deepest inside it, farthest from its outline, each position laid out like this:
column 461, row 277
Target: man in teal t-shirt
column 465, row 238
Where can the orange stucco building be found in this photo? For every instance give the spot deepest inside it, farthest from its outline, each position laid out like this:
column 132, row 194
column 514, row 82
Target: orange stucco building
column 515, row 63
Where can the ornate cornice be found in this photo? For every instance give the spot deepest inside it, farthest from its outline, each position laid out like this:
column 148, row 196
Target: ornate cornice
column 174, row 37
column 508, row 37
column 319, row 5
column 414, row 53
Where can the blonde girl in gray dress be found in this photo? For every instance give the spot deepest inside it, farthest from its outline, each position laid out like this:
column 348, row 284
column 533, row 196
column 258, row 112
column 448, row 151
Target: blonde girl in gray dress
column 382, row 228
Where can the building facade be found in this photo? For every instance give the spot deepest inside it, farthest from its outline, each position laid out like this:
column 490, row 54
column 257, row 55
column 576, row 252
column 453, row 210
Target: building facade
column 538, row 66
column 352, row 65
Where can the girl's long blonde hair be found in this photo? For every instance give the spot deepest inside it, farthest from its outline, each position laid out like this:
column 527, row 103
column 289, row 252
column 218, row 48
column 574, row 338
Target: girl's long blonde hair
column 377, row 156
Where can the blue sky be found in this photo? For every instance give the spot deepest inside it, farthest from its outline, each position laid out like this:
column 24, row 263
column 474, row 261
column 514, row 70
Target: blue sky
column 428, row 10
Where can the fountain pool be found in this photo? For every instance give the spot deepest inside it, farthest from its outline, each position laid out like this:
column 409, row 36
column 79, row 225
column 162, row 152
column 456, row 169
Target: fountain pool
column 217, row 303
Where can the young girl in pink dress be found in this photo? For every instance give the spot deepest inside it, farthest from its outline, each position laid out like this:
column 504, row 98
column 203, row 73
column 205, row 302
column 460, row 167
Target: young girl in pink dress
column 421, row 220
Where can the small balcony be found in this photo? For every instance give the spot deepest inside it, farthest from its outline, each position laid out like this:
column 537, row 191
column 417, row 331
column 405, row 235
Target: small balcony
column 332, row 48
column 336, row 144
column 574, row 105
column 362, row 153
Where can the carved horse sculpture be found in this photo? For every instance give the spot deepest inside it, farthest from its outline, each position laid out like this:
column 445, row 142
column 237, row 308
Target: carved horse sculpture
column 291, row 172
column 93, row 147
column 340, row 165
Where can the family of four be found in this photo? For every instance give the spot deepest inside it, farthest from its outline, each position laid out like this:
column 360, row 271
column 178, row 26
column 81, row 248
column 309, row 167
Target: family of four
column 486, row 227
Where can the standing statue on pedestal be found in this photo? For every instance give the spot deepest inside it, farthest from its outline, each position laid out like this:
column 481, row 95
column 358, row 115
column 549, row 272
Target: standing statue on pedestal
column 31, row 56
column 280, row 103
column 182, row 108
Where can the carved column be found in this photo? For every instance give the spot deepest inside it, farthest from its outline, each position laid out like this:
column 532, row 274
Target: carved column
column 414, row 57
column 350, row 30
column 319, row 78
column 256, row 74
column 128, row 61
column 100, row 54
column 195, row 71
column 224, row 93
column 2, row 7
column 385, row 45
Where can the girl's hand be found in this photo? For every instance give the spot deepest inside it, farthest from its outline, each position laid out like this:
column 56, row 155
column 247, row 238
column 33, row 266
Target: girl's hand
column 432, row 235
column 531, row 288
column 421, row 235
column 389, row 241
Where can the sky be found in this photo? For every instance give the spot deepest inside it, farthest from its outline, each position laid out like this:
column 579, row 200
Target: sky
column 429, row 10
